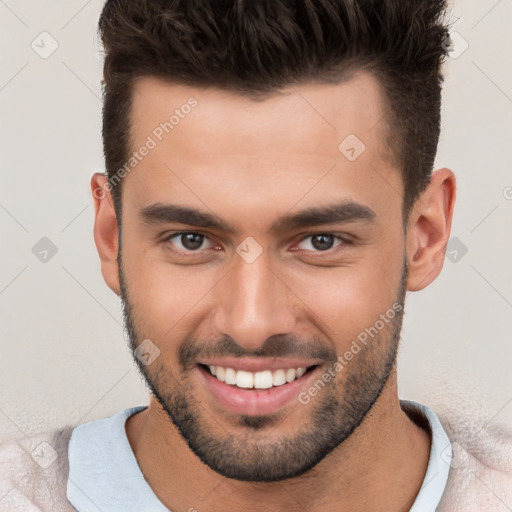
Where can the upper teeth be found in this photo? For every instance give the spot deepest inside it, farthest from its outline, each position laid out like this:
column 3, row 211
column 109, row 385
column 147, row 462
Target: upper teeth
column 259, row 380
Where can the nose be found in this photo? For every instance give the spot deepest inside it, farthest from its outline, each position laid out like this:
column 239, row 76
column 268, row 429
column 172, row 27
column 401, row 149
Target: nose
column 254, row 303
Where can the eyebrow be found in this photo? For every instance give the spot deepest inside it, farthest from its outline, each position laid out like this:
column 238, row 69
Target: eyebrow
column 344, row 212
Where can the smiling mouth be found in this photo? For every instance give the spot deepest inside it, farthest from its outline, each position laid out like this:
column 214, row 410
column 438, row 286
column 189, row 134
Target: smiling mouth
column 265, row 379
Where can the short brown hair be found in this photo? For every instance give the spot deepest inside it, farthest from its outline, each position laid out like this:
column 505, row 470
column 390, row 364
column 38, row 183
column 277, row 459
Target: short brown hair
column 258, row 47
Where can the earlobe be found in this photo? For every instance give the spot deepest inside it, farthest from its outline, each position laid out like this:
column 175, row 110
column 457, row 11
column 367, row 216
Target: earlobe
column 429, row 228
column 106, row 232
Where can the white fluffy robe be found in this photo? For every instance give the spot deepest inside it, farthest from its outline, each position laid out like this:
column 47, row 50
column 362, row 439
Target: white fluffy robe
column 480, row 478
column 25, row 485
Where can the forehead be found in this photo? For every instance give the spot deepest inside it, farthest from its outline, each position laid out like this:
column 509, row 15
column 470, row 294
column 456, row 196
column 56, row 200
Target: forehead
column 209, row 145
column 314, row 117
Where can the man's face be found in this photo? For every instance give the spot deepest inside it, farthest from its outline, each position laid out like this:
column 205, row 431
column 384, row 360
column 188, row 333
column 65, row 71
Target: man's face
column 265, row 295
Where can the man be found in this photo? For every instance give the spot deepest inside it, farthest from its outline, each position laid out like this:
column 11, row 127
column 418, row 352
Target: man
column 269, row 199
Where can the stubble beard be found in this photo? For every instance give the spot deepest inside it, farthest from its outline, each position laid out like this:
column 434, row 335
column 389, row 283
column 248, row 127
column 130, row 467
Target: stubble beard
column 257, row 453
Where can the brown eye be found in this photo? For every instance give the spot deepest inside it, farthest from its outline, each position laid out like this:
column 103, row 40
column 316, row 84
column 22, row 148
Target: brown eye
column 321, row 242
column 187, row 241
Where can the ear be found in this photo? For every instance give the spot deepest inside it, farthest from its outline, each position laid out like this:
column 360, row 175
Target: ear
column 428, row 229
column 106, row 232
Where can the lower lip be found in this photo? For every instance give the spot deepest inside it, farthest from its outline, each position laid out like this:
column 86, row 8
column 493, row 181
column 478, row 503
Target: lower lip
column 254, row 402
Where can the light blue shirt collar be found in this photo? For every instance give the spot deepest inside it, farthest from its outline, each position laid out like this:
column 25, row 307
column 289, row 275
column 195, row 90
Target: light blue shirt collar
column 104, row 475
column 438, row 467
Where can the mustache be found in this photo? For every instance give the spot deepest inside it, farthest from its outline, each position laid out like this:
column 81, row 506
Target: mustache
column 275, row 346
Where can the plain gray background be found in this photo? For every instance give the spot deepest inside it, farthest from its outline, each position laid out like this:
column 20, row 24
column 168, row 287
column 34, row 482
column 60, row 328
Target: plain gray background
column 63, row 355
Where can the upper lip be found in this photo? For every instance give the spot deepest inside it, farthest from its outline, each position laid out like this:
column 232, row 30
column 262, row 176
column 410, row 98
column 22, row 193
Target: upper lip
column 251, row 364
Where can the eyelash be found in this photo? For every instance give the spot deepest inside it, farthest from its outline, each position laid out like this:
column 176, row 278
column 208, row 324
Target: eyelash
column 188, row 253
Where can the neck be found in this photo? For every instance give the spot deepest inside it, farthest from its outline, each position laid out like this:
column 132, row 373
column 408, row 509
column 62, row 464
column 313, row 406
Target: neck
column 381, row 467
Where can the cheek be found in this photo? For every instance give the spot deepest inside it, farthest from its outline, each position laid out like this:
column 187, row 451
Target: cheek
column 164, row 296
column 347, row 300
